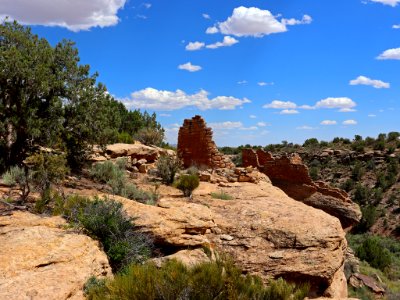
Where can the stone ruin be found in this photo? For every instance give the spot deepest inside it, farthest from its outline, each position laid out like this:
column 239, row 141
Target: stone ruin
column 292, row 176
column 197, row 148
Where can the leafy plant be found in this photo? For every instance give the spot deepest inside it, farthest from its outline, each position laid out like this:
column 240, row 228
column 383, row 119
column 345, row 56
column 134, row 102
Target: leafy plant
column 167, row 166
column 212, row 280
column 17, row 176
column 105, row 220
column 150, row 136
column 187, row 184
column 221, row 195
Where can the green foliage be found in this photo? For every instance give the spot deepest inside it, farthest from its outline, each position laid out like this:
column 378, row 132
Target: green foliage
column 124, row 137
column 17, row 176
column 314, row 173
column 114, row 175
column 348, row 185
column 150, row 136
column 361, row 194
column 358, row 146
column 357, row 171
column 393, row 136
column 205, row 281
column 187, row 184
column 369, row 217
column 372, row 251
column 47, row 98
column 47, row 169
column 379, row 145
column 105, row 220
column 167, row 166
column 221, row 195
column 312, row 142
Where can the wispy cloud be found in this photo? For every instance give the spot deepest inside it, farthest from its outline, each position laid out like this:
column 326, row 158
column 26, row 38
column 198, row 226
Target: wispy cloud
column 350, row 122
column 189, row 67
column 226, row 42
column 193, row 46
column 328, row 122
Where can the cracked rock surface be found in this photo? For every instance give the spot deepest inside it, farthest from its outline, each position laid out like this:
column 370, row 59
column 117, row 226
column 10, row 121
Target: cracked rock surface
column 41, row 260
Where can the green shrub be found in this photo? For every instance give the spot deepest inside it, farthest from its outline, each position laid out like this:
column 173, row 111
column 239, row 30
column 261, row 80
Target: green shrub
column 361, row 194
column 372, row 252
column 205, row 281
column 70, row 207
column 167, row 166
column 221, row 195
column 357, row 171
column 187, row 184
column 124, row 137
column 17, row 176
column 105, row 220
column 348, row 185
column 106, row 172
column 369, row 217
column 314, row 173
column 47, row 169
column 130, row 191
column 114, row 175
column 150, row 136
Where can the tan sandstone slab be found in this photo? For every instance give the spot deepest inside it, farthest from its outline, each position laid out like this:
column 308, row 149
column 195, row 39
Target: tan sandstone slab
column 40, row 260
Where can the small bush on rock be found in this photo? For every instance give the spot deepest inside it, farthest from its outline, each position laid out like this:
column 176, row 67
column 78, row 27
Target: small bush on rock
column 150, row 136
column 167, row 166
column 221, row 195
column 187, row 184
column 17, row 176
column 106, row 220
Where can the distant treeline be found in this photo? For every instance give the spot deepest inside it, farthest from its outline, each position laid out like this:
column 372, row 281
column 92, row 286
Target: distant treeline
column 383, row 141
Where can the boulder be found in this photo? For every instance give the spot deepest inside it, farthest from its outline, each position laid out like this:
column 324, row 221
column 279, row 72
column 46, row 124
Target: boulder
column 40, row 260
column 135, row 151
column 292, row 176
column 266, row 232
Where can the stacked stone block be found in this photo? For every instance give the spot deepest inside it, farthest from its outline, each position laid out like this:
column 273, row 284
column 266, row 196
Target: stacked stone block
column 197, row 148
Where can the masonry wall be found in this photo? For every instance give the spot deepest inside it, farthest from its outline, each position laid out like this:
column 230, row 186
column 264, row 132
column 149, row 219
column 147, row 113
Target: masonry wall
column 197, row 148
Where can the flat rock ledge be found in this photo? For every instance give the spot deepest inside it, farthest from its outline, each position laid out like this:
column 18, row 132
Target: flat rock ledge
column 41, row 260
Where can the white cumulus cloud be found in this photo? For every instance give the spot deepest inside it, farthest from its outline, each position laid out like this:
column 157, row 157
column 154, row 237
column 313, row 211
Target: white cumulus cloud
column 393, row 53
column 392, row 3
column 277, row 104
column 252, row 21
column 396, row 26
column 350, row 122
column 212, row 30
column 328, row 122
column 193, row 46
column 227, row 42
column 363, row 80
column 154, row 99
column 206, row 16
column 74, row 15
column 342, row 103
column 189, row 67
column 262, row 124
column 253, row 117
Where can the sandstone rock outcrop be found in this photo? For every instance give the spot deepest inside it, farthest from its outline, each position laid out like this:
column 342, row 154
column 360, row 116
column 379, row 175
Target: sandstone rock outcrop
column 292, row 176
column 266, row 232
column 196, row 146
column 39, row 260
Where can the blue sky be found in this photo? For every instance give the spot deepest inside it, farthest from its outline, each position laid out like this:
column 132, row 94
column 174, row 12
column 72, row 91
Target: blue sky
column 259, row 72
